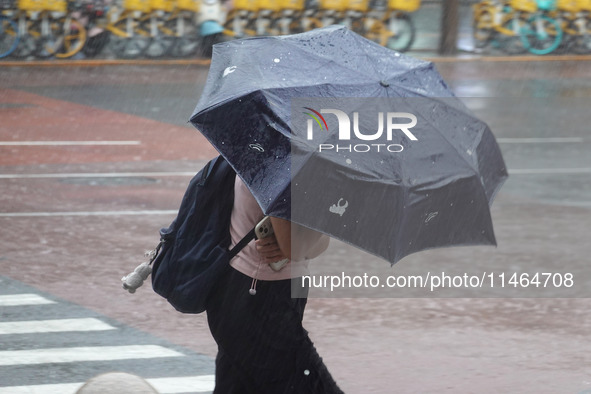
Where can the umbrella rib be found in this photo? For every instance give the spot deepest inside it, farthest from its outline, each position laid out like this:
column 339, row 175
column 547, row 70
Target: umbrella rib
column 365, row 52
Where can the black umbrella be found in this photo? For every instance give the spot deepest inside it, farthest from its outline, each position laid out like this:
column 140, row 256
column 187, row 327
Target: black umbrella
column 334, row 132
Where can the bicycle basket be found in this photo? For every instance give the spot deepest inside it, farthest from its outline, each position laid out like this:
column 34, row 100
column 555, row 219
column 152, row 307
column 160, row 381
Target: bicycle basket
column 568, row 5
column 358, row 5
column 524, row 5
column 137, row 5
column 298, row 5
column 164, row 5
column 268, row 5
column 189, row 5
column 30, row 5
column 54, row 5
column 247, row 5
column 404, row 5
column 337, row 5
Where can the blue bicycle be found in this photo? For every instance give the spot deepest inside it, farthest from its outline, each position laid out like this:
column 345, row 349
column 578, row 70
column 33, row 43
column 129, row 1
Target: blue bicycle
column 542, row 34
column 9, row 37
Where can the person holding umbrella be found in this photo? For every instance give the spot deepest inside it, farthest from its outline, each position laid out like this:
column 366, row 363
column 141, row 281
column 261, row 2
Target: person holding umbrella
column 263, row 347
column 297, row 122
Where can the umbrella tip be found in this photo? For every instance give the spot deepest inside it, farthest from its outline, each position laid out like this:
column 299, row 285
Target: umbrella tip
column 384, row 83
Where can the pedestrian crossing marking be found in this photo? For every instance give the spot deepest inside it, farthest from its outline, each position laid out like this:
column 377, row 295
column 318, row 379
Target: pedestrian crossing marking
column 190, row 384
column 78, row 354
column 87, row 213
column 99, row 175
column 67, row 388
column 67, row 143
column 23, row 299
column 57, row 325
column 55, row 357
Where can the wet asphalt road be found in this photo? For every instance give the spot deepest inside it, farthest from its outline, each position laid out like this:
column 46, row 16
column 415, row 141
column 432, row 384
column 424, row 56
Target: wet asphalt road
column 524, row 339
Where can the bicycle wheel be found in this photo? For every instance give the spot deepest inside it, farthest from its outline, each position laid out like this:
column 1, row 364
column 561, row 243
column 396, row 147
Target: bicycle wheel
column 250, row 28
column 541, row 35
column 375, row 30
column 26, row 46
column 358, row 25
column 234, row 25
column 8, row 36
column 303, row 24
column 403, row 32
column 46, row 45
column 128, row 40
column 263, row 26
column 238, row 27
column 274, row 27
column 186, row 35
column 581, row 43
column 483, row 29
column 27, row 41
column 509, row 37
column 161, row 40
column 73, row 38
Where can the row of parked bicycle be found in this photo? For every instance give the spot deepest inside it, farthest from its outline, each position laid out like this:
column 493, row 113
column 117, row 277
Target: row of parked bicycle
column 62, row 29
column 180, row 28
column 537, row 26
column 387, row 22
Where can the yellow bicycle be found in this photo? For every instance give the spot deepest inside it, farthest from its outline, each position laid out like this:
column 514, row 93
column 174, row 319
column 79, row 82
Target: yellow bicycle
column 154, row 25
column 389, row 23
column 501, row 22
column 182, row 25
column 129, row 39
column 120, row 26
column 294, row 17
column 241, row 20
column 518, row 26
column 46, row 28
column 575, row 19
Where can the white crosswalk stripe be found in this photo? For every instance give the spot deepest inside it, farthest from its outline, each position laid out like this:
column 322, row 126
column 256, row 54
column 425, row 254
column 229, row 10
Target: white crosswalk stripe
column 191, row 384
column 44, row 342
column 57, row 325
column 74, row 354
column 23, row 299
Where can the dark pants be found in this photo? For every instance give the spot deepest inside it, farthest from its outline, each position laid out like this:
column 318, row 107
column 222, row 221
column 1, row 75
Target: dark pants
column 262, row 346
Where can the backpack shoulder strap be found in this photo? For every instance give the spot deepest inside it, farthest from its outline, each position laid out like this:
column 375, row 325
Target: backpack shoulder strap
column 243, row 242
column 208, row 169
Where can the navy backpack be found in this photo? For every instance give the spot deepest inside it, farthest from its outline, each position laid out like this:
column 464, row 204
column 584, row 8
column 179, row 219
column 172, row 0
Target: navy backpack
column 193, row 251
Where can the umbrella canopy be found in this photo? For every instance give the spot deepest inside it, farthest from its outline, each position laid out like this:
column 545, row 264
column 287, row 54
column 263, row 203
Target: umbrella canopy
column 334, row 132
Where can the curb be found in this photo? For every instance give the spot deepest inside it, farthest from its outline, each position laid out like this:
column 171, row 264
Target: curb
column 104, row 62
column 522, row 58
